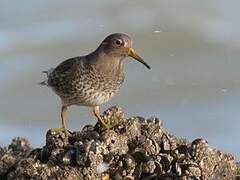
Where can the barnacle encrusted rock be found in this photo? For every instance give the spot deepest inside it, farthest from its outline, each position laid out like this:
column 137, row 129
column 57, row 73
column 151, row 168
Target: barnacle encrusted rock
column 135, row 148
column 16, row 151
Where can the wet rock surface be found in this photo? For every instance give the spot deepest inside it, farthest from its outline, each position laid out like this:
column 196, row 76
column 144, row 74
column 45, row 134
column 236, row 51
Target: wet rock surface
column 135, row 148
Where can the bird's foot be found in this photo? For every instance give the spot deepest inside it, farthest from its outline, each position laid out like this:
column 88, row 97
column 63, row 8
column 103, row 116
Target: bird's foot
column 104, row 124
column 64, row 130
column 107, row 124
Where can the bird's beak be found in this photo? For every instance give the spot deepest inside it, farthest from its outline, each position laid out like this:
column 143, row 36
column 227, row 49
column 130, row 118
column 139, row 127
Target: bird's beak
column 134, row 55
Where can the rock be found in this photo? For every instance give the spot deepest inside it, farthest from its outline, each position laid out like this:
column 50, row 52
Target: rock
column 16, row 151
column 135, row 148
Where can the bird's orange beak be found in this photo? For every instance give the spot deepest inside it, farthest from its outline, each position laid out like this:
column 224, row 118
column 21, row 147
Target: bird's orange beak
column 134, row 55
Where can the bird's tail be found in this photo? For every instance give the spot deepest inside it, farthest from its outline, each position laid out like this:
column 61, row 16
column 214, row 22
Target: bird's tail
column 45, row 83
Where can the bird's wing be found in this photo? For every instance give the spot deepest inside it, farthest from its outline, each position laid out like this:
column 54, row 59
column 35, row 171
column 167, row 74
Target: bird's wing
column 62, row 73
column 65, row 66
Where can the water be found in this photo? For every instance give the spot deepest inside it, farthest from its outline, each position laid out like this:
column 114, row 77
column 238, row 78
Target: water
column 192, row 46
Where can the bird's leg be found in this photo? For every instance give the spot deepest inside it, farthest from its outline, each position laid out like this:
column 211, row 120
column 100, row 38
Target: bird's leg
column 63, row 120
column 96, row 112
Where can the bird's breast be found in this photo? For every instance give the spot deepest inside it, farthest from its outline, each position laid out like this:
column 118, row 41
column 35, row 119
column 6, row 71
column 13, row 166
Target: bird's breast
column 93, row 89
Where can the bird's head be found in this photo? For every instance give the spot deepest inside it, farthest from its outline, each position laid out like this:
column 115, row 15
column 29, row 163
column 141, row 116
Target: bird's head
column 119, row 45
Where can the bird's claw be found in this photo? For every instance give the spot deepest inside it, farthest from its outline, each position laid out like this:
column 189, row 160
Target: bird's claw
column 65, row 131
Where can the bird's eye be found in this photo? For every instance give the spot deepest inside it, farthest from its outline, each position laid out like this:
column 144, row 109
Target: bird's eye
column 118, row 42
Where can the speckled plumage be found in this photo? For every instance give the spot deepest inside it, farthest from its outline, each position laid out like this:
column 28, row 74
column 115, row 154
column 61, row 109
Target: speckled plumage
column 93, row 79
column 78, row 81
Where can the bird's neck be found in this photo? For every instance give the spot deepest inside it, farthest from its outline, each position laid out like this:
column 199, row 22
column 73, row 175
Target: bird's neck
column 106, row 63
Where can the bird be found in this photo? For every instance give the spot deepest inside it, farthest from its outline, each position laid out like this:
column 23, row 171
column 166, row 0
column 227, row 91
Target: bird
column 93, row 79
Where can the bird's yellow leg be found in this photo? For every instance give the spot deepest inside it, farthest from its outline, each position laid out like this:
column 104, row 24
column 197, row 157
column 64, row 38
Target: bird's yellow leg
column 96, row 113
column 63, row 121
